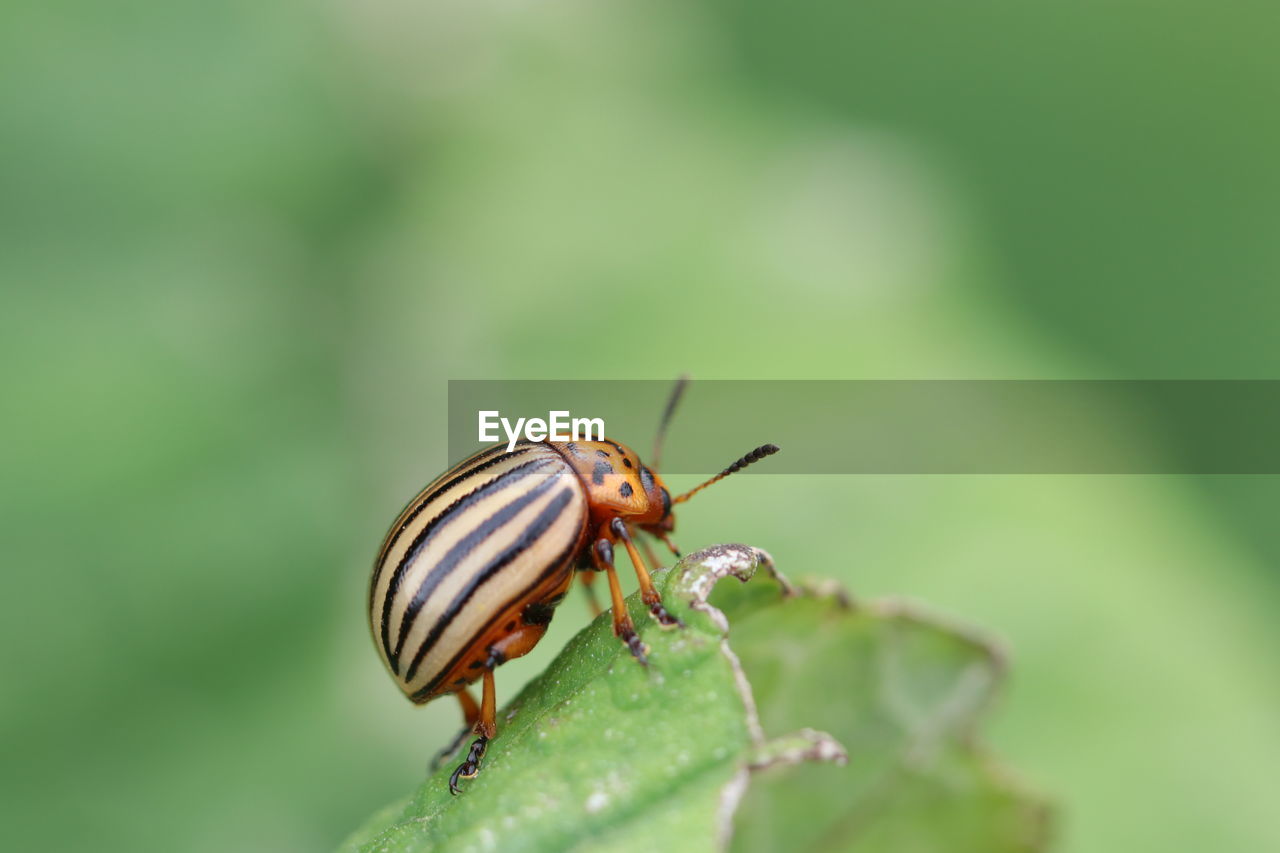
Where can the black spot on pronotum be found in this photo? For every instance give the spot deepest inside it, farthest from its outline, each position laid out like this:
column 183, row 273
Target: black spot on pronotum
column 625, row 490
column 627, row 462
column 603, row 453
column 600, row 471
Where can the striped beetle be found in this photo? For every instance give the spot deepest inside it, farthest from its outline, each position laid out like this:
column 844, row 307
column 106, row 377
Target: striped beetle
column 470, row 573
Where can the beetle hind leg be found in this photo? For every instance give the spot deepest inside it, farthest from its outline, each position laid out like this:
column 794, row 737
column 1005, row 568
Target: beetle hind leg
column 439, row 759
column 470, row 713
column 486, row 729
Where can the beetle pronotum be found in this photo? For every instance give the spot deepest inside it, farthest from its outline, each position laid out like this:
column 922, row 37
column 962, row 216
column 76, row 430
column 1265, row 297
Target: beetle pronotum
column 471, row 571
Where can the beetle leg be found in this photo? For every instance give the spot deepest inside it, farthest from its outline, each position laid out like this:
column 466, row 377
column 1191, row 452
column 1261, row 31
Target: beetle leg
column 486, row 727
column 622, row 625
column 648, row 594
column 470, row 713
column 593, row 602
column 487, row 723
column 470, row 710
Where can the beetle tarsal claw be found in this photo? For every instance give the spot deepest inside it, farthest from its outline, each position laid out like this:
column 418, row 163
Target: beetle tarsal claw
column 470, row 768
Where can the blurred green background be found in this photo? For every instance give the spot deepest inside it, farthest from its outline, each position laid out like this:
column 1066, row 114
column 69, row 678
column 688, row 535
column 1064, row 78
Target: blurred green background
column 244, row 246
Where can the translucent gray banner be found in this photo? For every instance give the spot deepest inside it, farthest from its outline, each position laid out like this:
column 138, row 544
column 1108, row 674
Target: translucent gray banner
column 908, row 427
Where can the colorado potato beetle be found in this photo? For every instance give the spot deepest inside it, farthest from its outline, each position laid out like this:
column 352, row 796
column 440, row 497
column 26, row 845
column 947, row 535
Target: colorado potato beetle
column 471, row 571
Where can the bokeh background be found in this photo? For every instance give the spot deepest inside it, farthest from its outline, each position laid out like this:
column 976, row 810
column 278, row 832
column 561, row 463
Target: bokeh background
column 244, row 246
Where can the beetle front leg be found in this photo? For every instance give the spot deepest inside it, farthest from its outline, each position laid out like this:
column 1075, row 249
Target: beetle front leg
column 486, row 727
column 623, row 628
column 648, row 594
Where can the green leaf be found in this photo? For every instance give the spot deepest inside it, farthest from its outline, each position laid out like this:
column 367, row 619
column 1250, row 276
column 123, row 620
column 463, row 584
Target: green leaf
column 904, row 693
column 601, row 750
column 602, row 753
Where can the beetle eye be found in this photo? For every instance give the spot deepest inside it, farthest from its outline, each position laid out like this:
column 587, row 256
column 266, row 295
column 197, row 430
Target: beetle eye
column 666, row 503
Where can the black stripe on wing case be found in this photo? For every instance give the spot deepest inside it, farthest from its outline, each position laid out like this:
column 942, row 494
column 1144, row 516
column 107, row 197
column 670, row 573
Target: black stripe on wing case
column 476, row 463
column 423, row 500
column 459, row 552
column 455, row 510
column 555, row 566
column 531, row 534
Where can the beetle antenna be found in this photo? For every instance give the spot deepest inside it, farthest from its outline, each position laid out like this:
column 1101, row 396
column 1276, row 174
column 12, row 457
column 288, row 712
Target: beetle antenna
column 754, row 456
column 672, row 401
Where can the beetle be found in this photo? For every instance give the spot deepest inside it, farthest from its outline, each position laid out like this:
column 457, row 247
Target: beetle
column 470, row 573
